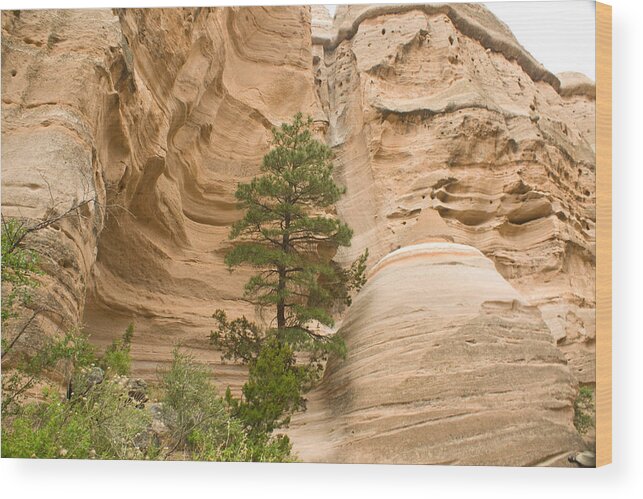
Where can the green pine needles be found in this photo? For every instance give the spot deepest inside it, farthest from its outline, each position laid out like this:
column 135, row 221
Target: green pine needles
column 288, row 232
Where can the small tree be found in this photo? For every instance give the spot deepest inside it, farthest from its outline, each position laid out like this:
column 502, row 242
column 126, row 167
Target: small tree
column 117, row 355
column 286, row 232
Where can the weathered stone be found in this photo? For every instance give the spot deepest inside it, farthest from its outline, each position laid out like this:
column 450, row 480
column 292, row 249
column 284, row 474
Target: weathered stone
column 437, row 112
column 160, row 113
column 446, row 365
column 137, row 391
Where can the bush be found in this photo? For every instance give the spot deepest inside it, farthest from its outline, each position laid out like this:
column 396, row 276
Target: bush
column 117, row 356
column 97, row 418
column 19, row 267
column 584, row 409
column 238, row 339
column 103, row 423
column 201, row 424
column 274, row 389
column 72, row 348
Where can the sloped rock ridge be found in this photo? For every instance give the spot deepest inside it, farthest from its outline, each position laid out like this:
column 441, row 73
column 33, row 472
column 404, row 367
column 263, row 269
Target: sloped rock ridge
column 470, row 176
column 446, row 365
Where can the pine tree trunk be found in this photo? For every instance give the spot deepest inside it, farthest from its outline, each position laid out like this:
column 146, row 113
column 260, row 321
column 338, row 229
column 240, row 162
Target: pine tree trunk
column 281, row 285
column 281, row 307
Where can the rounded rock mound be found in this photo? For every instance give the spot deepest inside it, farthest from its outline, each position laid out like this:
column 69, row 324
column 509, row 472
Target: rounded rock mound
column 445, row 365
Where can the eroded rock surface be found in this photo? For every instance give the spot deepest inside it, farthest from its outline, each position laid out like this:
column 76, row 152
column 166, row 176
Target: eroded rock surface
column 444, row 126
column 446, row 365
column 161, row 112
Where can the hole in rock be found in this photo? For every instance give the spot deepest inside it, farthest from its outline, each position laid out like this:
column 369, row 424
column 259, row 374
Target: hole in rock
column 14, row 72
column 383, row 31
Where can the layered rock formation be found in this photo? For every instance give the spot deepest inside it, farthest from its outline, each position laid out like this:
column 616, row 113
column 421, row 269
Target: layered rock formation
column 444, row 127
column 445, row 365
column 159, row 113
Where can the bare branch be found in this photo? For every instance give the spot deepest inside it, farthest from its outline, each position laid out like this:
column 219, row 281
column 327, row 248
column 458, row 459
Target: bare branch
column 20, row 333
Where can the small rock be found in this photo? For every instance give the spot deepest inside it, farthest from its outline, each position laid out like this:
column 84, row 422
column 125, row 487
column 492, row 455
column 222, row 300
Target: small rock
column 95, row 376
column 137, row 391
column 157, row 426
column 585, row 459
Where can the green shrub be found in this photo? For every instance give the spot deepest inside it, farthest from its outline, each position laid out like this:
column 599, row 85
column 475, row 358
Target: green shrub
column 274, row 389
column 103, row 423
column 19, row 268
column 239, row 339
column 71, row 349
column 584, row 409
column 231, row 443
column 201, row 424
column 117, row 356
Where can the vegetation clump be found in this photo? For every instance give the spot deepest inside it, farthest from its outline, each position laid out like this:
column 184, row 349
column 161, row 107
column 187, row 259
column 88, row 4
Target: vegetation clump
column 584, row 410
column 19, row 270
column 117, row 356
column 202, row 424
column 100, row 423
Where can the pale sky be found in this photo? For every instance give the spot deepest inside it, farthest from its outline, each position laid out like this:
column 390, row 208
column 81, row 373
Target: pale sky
column 558, row 34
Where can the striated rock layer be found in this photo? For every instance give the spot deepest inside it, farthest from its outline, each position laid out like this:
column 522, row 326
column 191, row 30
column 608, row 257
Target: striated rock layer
column 160, row 113
column 446, row 365
column 444, row 126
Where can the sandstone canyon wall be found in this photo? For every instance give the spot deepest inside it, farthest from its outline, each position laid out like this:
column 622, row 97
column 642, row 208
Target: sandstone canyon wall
column 161, row 112
column 444, row 128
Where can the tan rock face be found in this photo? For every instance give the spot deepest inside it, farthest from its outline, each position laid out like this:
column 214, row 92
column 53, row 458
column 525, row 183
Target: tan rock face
column 213, row 86
column 56, row 103
column 445, row 365
column 439, row 109
column 444, row 129
column 161, row 112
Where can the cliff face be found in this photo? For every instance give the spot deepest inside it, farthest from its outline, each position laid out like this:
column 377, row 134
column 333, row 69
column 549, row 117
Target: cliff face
column 161, row 112
column 455, row 369
column 444, row 128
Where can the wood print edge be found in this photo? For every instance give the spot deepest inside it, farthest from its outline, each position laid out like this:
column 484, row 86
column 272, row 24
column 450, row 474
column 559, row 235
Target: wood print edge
column 603, row 234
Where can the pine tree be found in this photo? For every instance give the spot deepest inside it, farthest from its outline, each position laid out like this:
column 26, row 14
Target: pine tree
column 286, row 231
